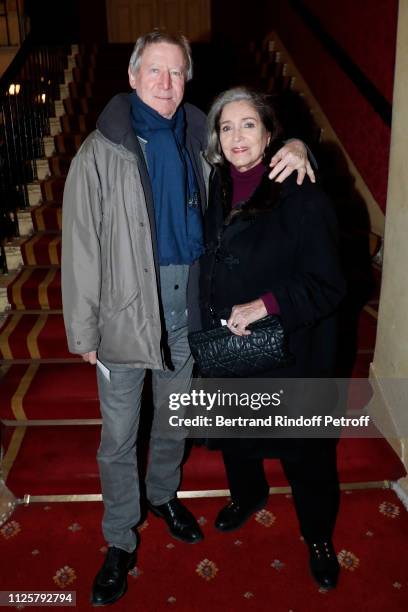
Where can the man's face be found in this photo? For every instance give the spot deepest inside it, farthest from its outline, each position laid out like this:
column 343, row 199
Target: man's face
column 159, row 81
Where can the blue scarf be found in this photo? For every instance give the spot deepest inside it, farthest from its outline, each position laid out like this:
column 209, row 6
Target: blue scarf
column 175, row 191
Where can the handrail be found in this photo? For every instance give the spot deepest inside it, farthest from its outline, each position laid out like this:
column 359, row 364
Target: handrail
column 28, row 90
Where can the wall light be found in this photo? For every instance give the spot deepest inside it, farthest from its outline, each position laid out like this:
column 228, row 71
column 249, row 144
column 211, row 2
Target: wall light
column 14, row 89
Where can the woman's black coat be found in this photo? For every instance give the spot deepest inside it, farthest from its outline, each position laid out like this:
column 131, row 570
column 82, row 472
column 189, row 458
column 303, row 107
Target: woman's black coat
column 284, row 240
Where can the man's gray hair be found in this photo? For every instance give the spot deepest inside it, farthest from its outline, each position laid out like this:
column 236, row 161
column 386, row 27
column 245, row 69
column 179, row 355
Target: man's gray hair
column 260, row 103
column 161, row 36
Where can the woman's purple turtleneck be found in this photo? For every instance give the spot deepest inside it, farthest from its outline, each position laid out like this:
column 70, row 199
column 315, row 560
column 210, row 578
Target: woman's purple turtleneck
column 245, row 183
column 243, row 186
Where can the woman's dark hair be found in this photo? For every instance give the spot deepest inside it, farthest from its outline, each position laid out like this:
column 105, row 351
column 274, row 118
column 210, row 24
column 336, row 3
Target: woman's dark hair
column 264, row 109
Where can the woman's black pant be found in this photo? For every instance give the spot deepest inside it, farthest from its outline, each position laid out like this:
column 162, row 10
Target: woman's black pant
column 312, row 474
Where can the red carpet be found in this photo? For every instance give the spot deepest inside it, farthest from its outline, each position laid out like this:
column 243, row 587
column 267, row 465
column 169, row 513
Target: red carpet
column 47, row 216
column 56, row 461
column 78, row 123
column 68, row 143
column 42, row 250
column 62, row 461
column 263, row 566
column 34, row 336
column 36, row 288
column 49, row 391
column 367, row 331
column 53, row 188
column 59, row 164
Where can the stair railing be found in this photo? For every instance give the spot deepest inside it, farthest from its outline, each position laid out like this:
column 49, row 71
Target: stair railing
column 28, row 90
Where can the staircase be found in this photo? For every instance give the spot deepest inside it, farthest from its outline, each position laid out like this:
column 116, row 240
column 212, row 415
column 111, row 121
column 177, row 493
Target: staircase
column 48, row 397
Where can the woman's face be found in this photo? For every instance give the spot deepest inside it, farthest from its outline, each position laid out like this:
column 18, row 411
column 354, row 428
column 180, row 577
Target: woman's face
column 243, row 136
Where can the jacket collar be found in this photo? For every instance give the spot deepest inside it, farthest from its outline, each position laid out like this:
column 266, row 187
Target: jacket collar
column 114, row 121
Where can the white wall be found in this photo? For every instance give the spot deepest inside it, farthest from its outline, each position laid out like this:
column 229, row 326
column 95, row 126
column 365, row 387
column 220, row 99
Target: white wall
column 391, row 352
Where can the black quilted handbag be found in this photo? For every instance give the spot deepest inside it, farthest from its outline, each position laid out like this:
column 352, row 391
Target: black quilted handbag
column 219, row 353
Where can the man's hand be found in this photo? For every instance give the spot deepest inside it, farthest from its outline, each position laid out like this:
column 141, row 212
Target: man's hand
column 89, row 357
column 244, row 314
column 292, row 156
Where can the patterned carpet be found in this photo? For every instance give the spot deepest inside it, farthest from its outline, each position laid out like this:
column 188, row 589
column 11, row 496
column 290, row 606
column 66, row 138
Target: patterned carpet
column 263, row 566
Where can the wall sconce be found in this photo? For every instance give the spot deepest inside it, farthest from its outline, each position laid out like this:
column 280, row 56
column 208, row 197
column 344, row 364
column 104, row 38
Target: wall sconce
column 14, row 89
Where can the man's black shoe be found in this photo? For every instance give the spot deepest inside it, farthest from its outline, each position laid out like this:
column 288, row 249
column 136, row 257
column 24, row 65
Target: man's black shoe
column 110, row 583
column 181, row 523
column 324, row 564
column 234, row 515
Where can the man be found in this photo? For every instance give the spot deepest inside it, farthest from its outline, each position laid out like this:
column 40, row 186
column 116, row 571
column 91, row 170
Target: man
column 132, row 236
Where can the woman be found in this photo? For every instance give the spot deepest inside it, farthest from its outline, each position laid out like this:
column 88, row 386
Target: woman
column 272, row 249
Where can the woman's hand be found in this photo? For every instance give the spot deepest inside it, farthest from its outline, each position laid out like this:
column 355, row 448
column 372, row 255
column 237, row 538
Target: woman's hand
column 292, row 156
column 244, row 314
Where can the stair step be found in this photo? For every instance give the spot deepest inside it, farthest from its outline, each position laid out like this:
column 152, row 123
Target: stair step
column 43, row 168
column 49, row 145
column 42, row 249
column 43, row 391
column 59, row 108
column 66, row 464
column 48, row 216
column 52, row 189
column 68, row 73
column 33, row 336
column 59, row 164
column 97, row 73
column 79, row 90
column 98, row 88
column 13, row 255
column 78, row 123
column 69, row 143
column 64, row 90
column 84, row 105
column 36, row 289
column 71, row 60
column 34, row 193
column 4, row 302
column 111, row 57
column 25, row 222
column 55, row 125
